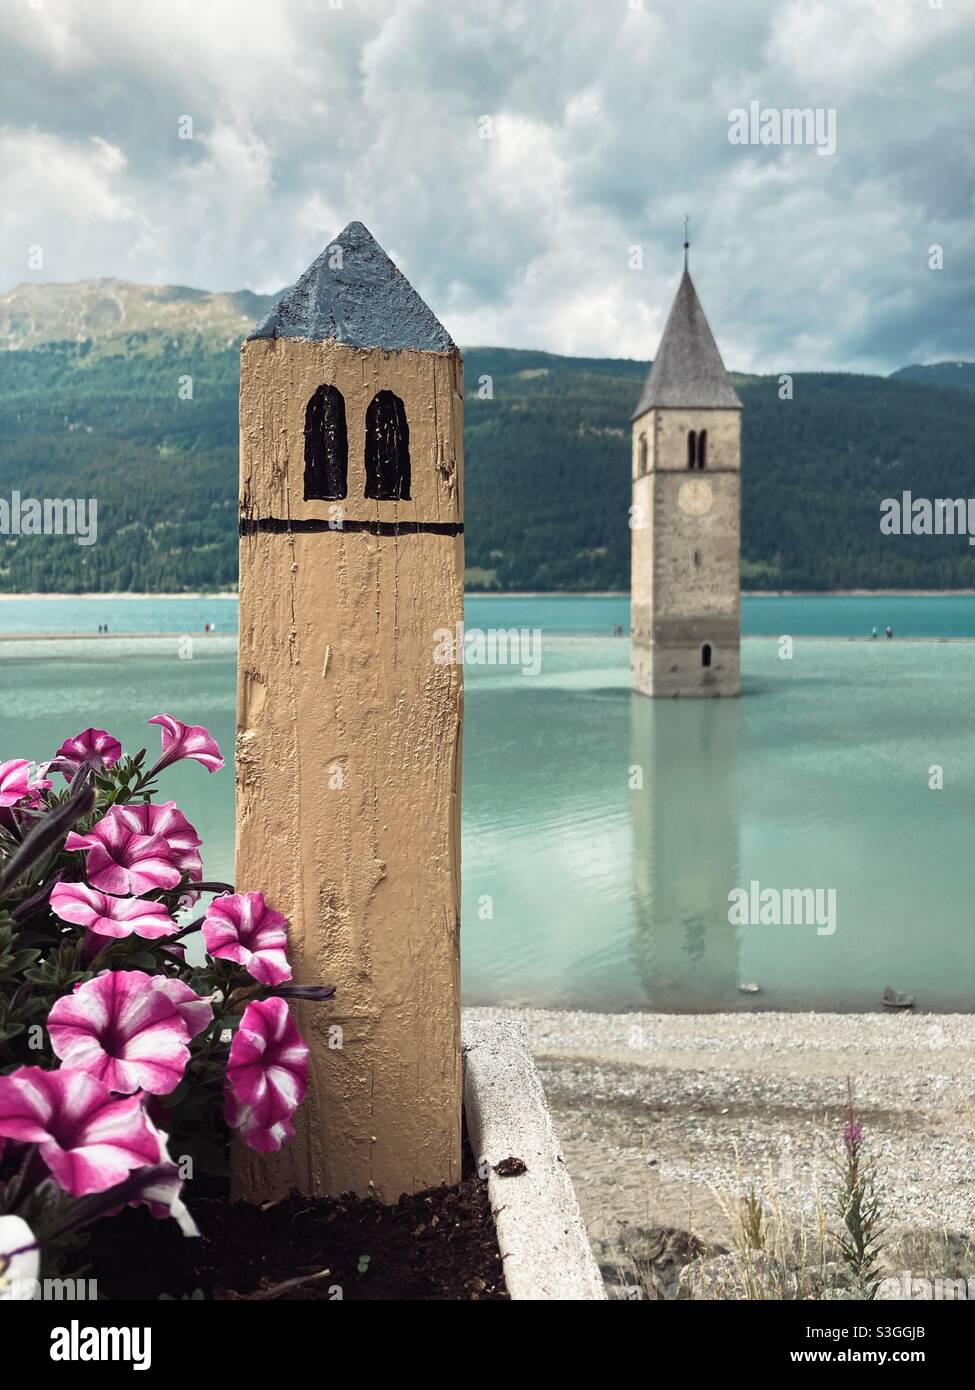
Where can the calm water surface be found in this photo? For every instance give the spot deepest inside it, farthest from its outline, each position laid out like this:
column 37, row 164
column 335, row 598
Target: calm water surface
column 828, row 616
column 603, row 893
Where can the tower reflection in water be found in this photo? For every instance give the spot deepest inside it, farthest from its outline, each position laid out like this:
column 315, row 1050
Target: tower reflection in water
column 685, row 834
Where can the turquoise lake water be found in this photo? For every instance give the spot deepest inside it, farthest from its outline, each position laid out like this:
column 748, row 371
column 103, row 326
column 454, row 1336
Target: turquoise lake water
column 603, row 893
column 802, row 615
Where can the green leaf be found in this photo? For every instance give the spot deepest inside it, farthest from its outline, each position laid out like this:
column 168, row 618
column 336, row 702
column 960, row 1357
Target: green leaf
column 19, row 961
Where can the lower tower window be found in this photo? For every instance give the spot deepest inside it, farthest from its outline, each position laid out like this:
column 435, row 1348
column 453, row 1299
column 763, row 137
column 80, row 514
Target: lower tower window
column 706, row 654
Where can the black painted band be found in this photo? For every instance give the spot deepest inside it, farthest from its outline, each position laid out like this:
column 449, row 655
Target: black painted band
column 277, row 526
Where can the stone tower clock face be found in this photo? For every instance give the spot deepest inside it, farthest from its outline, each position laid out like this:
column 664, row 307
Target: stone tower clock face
column 695, row 497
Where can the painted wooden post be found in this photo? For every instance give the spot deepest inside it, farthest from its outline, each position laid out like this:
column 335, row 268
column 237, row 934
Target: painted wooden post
column 349, row 730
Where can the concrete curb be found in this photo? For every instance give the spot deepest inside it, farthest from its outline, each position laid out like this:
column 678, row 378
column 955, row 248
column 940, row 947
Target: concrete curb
column 541, row 1236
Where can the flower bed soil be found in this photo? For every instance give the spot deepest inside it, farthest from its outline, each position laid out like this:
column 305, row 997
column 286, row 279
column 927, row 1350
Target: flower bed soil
column 439, row 1244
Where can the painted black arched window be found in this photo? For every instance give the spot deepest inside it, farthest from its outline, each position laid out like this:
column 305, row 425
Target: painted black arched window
column 706, row 654
column 326, row 446
column 387, row 449
column 691, row 448
column 702, row 448
column 643, row 453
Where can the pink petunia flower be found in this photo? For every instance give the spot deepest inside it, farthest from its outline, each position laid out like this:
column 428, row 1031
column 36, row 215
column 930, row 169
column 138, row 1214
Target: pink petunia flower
column 92, row 747
column 181, row 741
column 89, row 1139
column 109, row 916
column 267, row 1075
column 34, row 798
column 161, row 1189
column 14, row 781
column 125, row 1028
column 121, row 861
column 242, row 928
column 167, row 820
column 16, row 786
column 195, row 1011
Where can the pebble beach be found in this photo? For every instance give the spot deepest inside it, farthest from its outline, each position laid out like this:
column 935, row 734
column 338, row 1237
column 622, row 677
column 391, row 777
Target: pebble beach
column 665, row 1120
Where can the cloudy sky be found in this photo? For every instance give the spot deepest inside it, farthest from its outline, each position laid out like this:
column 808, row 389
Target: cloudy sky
column 510, row 154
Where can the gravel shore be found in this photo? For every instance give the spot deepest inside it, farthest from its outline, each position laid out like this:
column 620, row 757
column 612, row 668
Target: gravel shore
column 666, row 1119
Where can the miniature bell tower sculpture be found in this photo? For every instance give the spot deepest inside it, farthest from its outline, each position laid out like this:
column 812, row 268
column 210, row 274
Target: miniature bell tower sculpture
column 349, row 729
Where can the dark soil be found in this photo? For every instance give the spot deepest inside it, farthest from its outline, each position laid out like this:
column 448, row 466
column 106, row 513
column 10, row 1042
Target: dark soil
column 439, row 1244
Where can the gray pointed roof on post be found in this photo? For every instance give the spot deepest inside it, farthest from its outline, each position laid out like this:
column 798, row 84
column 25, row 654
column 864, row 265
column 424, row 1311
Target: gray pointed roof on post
column 687, row 371
column 358, row 298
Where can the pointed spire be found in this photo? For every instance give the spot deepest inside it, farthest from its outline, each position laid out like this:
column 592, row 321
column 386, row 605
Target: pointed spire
column 687, row 371
column 354, row 294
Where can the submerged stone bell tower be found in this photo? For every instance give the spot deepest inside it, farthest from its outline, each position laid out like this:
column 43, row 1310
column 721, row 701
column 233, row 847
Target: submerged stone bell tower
column 686, row 515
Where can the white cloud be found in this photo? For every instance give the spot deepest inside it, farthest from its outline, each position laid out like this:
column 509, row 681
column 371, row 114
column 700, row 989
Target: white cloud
column 610, row 124
column 56, row 191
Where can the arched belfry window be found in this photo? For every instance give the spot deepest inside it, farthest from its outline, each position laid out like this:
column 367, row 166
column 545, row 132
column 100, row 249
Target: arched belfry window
column 691, row 448
column 387, row 449
column 326, row 446
column 706, row 654
column 702, row 448
column 643, row 453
